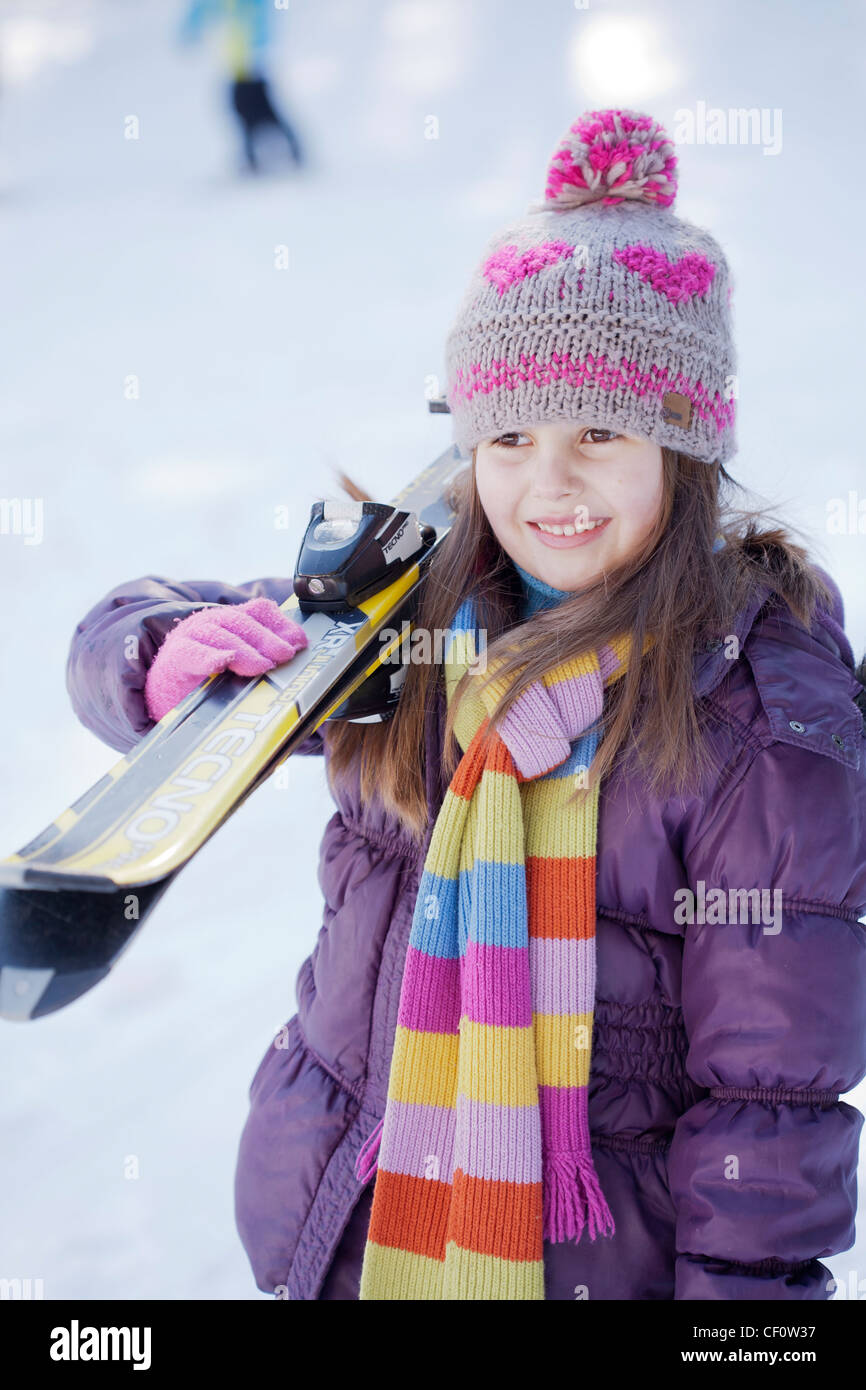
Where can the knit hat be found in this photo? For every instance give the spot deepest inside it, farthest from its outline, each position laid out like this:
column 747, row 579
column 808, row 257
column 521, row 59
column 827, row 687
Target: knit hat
column 600, row 304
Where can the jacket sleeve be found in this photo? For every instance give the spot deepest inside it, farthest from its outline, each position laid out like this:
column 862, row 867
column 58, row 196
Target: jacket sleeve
column 763, row 1169
column 106, row 671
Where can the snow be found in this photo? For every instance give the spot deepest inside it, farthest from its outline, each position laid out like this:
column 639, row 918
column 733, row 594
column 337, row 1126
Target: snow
column 166, row 387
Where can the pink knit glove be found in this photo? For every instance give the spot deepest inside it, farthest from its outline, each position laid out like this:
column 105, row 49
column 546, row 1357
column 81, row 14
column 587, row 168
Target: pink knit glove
column 248, row 638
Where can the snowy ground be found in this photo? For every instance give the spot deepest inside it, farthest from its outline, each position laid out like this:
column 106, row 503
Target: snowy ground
column 151, row 258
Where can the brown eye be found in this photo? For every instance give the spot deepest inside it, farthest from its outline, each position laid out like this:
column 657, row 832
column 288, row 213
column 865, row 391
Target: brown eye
column 510, row 434
column 611, row 433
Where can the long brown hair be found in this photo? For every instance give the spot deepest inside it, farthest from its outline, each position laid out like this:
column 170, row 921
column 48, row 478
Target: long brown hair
column 676, row 588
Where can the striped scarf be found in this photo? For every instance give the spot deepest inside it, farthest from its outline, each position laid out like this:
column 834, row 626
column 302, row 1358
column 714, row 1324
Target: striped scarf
column 484, row 1148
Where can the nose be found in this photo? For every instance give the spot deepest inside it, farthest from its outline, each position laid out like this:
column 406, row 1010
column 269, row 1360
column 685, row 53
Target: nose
column 556, row 473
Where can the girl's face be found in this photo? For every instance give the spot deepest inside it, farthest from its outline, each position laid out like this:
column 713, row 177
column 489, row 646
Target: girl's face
column 569, row 474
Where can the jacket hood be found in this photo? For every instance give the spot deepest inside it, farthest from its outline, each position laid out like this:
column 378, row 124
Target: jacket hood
column 828, row 630
column 806, row 680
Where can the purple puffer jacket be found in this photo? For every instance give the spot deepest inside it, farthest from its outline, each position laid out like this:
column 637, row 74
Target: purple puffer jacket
column 719, row 1052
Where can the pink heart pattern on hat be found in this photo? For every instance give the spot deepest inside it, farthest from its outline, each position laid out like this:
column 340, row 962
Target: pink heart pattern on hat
column 509, row 264
column 678, row 280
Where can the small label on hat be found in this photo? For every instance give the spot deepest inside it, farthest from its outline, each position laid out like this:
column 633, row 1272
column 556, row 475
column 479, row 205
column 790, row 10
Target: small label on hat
column 676, row 410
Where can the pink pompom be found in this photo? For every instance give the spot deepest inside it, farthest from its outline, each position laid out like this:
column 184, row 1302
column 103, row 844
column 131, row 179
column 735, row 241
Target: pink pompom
column 612, row 157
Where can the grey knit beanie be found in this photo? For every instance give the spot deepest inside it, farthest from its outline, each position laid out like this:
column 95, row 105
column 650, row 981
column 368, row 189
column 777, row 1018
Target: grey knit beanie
column 600, row 303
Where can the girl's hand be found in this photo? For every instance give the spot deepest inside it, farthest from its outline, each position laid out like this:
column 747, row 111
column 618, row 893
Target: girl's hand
column 247, row 638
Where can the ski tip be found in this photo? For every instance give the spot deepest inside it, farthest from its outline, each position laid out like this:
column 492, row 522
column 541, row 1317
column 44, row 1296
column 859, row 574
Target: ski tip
column 27, row 993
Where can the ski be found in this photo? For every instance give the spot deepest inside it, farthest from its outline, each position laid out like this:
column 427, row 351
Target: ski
column 73, row 898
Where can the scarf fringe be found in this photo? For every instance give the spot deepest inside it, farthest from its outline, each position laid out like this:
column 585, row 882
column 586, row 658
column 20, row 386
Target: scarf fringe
column 368, row 1159
column 571, row 1194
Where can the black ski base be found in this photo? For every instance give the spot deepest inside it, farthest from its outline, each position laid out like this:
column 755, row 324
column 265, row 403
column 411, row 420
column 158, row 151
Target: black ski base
column 56, row 945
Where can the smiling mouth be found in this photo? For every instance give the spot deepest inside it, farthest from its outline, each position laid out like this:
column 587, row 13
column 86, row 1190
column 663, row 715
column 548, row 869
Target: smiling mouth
column 569, row 529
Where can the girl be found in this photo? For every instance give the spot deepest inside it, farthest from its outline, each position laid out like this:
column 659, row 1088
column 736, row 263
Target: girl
column 590, row 978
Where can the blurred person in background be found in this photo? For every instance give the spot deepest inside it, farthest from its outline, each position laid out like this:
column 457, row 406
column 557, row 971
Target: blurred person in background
column 247, row 36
